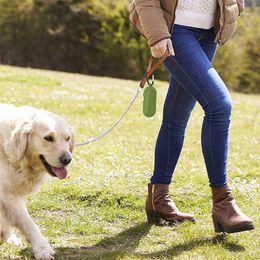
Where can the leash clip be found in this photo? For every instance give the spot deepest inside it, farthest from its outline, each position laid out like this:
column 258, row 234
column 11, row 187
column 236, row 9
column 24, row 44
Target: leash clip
column 150, row 83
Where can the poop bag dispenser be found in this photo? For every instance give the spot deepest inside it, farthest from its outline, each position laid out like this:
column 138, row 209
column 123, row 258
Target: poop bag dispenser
column 149, row 101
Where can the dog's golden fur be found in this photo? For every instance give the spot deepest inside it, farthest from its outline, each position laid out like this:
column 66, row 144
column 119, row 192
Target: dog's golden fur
column 23, row 132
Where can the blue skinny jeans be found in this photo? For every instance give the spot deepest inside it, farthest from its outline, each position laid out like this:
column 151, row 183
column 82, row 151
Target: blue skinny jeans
column 193, row 78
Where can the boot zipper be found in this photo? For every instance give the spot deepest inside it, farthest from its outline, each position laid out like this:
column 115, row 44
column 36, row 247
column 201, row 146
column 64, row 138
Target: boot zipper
column 153, row 188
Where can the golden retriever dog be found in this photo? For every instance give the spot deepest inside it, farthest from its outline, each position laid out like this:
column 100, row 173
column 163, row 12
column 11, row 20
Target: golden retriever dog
column 33, row 144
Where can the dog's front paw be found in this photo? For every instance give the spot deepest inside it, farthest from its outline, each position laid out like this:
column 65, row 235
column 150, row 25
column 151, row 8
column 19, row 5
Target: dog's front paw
column 44, row 252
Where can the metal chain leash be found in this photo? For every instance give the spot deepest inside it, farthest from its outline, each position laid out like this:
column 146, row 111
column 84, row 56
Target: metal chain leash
column 106, row 132
column 149, row 72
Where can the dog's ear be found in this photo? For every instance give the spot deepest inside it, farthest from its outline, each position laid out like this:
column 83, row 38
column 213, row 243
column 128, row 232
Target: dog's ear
column 72, row 141
column 15, row 147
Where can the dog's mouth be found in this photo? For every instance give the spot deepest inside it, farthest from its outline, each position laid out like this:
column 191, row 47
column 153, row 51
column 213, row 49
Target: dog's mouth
column 60, row 173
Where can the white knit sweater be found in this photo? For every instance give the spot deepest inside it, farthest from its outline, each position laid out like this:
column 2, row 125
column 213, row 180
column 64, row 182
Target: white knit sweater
column 196, row 13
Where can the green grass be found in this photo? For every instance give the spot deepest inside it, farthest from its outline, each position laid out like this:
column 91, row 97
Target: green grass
column 98, row 213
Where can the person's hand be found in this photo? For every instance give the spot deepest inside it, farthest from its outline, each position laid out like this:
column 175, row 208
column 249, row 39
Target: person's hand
column 159, row 49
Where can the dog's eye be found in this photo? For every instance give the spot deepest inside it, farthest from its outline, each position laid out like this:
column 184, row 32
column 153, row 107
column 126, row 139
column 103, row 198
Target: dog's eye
column 68, row 138
column 49, row 138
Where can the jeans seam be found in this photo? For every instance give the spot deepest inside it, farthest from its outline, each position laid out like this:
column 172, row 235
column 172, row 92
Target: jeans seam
column 168, row 138
column 211, row 151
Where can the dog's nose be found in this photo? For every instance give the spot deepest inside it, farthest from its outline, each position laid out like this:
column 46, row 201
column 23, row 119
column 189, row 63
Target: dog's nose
column 65, row 159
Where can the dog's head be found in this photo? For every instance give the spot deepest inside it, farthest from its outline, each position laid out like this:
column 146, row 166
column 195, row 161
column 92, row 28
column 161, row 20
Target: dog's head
column 46, row 141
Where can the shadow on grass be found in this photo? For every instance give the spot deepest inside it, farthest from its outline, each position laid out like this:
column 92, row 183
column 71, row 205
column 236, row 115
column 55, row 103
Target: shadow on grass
column 194, row 243
column 109, row 247
column 125, row 243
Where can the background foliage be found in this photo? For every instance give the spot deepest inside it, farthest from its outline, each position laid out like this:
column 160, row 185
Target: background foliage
column 95, row 37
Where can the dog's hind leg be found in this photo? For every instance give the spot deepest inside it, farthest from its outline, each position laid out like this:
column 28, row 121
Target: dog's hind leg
column 5, row 229
column 7, row 233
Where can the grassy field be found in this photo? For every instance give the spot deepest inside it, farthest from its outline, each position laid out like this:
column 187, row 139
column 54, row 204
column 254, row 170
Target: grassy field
column 98, row 212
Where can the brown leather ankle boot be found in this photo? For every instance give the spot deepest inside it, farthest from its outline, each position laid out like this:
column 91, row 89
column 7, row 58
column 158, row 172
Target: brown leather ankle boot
column 160, row 208
column 226, row 215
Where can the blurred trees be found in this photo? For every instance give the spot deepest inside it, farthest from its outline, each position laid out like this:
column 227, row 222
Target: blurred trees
column 238, row 61
column 95, row 37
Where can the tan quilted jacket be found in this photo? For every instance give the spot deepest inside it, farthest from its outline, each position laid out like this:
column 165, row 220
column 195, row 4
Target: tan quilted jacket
column 154, row 19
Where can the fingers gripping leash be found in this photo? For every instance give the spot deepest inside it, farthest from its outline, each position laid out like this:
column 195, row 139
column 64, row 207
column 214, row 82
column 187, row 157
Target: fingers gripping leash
column 149, row 72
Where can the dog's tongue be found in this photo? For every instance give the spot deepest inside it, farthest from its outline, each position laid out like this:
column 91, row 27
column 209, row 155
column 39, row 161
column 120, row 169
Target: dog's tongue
column 61, row 173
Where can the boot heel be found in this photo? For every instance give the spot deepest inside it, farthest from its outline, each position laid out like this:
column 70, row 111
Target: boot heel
column 152, row 218
column 218, row 228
